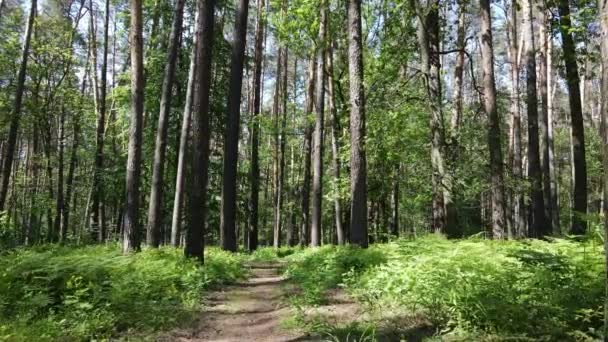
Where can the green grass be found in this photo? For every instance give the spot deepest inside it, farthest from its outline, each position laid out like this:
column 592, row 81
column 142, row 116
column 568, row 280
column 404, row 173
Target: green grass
column 84, row 293
column 487, row 289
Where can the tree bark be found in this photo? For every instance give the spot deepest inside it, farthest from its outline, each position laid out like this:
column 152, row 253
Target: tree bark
column 317, row 176
column 9, row 153
column 579, row 223
column 537, row 222
column 231, row 145
column 195, row 232
column 494, row 144
column 543, row 122
column 603, row 12
column 180, row 177
column 254, row 176
column 276, row 196
column 335, row 145
column 358, row 167
column 156, row 193
column 312, row 79
column 131, row 239
column 515, row 145
column 60, row 199
column 550, row 134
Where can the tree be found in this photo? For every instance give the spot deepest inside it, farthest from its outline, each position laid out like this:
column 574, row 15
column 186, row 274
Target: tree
column 537, row 222
column 428, row 38
column 180, row 177
column 254, row 176
column 156, row 193
column 603, row 11
column 9, row 152
column 195, row 230
column 231, row 145
column 543, row 121
column 310, row 90
column 131, row 239
column 515, row 145
column 579, row 224
column 358, row 174
column 489, row 96
column 335, row 145
column 317, row 175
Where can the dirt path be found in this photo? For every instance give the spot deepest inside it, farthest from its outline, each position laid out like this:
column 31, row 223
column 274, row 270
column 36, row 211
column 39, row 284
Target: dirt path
column 248, row 311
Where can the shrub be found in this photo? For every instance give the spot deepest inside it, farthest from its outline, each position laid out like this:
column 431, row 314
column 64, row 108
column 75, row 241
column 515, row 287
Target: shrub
column 84, row 293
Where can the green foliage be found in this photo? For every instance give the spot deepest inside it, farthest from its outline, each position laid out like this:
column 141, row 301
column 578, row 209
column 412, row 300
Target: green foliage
column 320, row 269
column 512, row 288
column 53, row 292
column 269, row 254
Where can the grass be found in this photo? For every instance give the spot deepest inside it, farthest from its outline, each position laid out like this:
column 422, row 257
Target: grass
column 471, row 289
column 84, row 293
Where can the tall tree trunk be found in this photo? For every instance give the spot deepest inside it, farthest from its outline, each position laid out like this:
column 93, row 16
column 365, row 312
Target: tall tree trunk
column 60, row 200
column 131, row 239
column 254, row 176
column 9, row 153
column 156, row 193
column 489, row 94
column 543, row 121
column 180, row 178
column 276, row 196
column 280, row 195
column 195, row 233
column 550, row 119
column 335, row 145
column 537, row 221
column 459, row 70
column 604, row 118
column 100, row 105
column 515, row 145
column 428, row 36
column 312, row 79
column 358, row 167
column 231, row 145
column 579, row 224
column 317, row 175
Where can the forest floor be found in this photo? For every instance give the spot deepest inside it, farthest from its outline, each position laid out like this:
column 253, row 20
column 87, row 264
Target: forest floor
column 258, row 309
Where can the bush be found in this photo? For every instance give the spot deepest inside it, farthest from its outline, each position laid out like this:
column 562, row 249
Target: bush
column 317, row 270
column 510, row 288
column 85, row 293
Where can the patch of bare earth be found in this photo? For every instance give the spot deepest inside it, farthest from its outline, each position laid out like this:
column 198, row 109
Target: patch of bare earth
column 248, row 311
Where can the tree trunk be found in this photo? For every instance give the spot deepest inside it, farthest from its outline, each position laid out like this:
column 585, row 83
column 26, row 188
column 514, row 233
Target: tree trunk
column 604, row 118
column 537, row 221
column 335, row 145
column 280, row 196
column 515, row 145
column 194, row 246
column 459, row 70
column 358, row 173
column 60, row 201
column 552, row 172
column 131, row 240
column 395, row 203
column 276, row 196
column 231, row 145
column 180, row 177
column 579, row 224
column 9, row 153
column 317, row 176
column 156, row 193
column 543, row 122
column 494, row 145
column 100, row 105
column 312, row 78
column 254, row 176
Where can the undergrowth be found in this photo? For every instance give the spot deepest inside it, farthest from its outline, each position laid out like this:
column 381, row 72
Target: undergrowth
column 550, row 290
column 86, row 293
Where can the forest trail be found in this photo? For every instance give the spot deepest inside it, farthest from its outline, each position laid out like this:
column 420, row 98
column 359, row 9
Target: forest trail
column 251, row 310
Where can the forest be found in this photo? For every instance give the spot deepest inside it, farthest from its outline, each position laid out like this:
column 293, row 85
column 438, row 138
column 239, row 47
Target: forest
column 303, row 170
